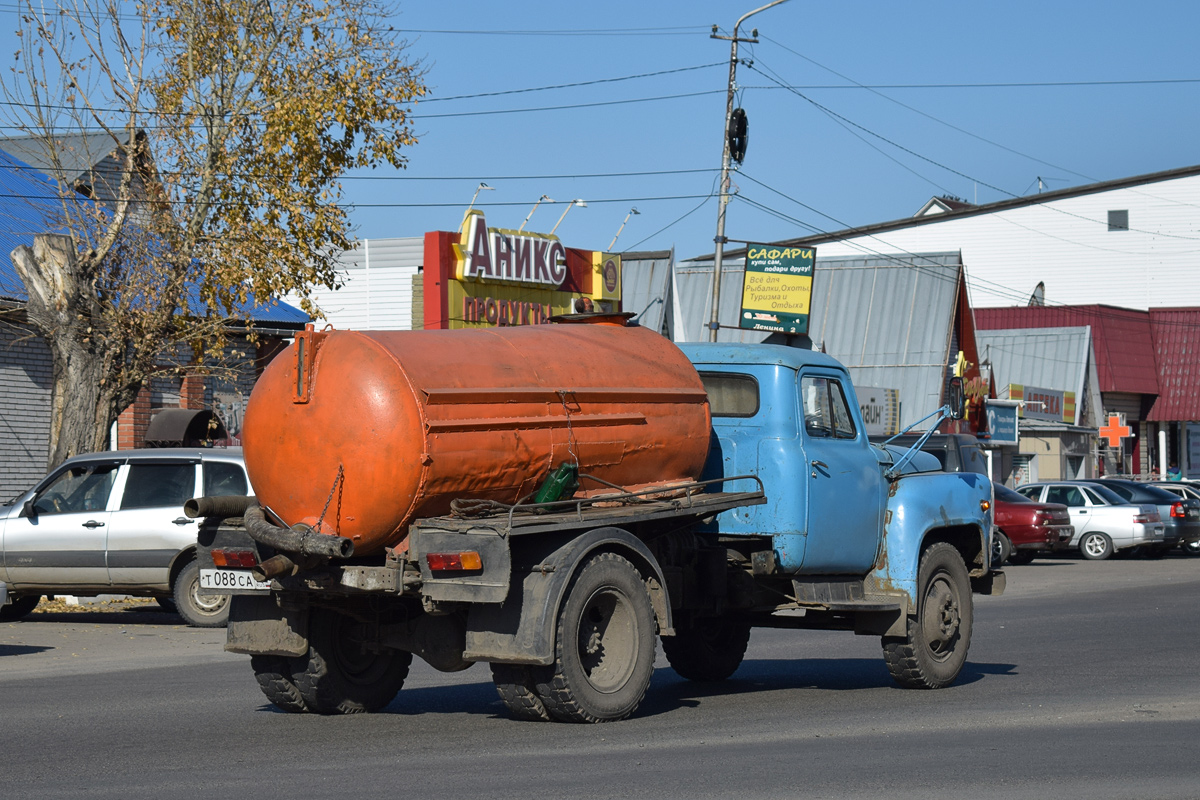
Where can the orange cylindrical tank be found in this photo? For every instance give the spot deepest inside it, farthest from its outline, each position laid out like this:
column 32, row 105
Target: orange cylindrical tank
column 410, row 420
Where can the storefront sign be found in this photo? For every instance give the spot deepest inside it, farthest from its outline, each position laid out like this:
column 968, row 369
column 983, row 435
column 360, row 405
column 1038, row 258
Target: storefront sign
column 1048, row 404
column 493, row 277
column 1002, row 423
column 495, row 254
column 777, row 288
column 880, row 409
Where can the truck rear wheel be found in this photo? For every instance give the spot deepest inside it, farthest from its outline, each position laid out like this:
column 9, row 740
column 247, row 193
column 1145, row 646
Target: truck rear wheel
column 709, row 649
column 274, row 676
column 339, row 675
column 935, row 648
column 604, row 655
column 518, row 689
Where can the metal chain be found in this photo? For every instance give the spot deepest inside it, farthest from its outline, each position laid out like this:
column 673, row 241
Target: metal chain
column 562, row 395
column 336, row 483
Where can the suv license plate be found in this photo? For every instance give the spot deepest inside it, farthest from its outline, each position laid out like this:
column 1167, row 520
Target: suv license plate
column 231, row 579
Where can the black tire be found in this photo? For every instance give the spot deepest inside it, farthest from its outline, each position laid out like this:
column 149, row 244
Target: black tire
column 274, row 676
column 934, row 650
column 604, row 653
column 1190, row 549
column 339, row 675
column 1021, row 557
column 709, row 649
column 19, row 607
column 1095, row 546
column 1002, row 548
column 517, row 687
column 197, row 607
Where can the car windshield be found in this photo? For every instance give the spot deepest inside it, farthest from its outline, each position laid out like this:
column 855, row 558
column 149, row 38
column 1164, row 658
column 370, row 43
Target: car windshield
column 1143, row 494
column 1009, row 496
column 1108, row 495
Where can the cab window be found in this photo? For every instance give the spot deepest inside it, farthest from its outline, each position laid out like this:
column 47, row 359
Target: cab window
column 79, row 489
column 731, row 394
column 826, row 412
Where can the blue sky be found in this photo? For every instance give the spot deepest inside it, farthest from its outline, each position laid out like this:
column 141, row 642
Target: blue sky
column 846, row 171
column 823, row 156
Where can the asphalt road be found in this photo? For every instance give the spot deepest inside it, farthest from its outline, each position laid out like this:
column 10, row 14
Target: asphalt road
column 1082, row 683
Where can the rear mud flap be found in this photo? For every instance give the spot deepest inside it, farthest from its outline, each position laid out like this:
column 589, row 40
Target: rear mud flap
column 257, row 626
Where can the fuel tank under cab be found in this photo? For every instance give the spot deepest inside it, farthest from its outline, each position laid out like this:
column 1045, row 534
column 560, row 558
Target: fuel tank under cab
column 359, row 433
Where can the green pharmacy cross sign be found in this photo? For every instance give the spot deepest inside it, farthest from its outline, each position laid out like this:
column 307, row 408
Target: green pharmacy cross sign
column 777, row 288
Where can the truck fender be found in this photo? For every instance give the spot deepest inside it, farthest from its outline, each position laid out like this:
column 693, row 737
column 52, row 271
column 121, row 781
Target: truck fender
column 926, row 508
column 521, row 630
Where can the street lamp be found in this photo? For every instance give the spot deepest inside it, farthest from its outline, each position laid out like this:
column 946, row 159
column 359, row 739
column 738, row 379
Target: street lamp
column 632, row 211
column 482, row 187
column 571, row 205
column 714, row 323
column 547, row 198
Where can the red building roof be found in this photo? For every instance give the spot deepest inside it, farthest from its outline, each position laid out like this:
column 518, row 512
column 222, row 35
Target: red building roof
column 1176, row 334
column 1122, row 341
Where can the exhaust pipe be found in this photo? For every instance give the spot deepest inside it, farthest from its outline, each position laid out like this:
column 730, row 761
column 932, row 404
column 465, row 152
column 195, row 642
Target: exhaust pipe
column 299, row 539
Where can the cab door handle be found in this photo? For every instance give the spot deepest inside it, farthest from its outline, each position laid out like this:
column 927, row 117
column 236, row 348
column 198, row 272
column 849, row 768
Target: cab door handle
column 820, row 464
column 91, row 523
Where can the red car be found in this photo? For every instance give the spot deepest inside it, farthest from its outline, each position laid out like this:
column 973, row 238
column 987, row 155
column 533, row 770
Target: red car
column 1025, row 528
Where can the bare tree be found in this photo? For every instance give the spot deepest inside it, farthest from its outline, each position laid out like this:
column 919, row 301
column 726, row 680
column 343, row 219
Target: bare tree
column 230, row 124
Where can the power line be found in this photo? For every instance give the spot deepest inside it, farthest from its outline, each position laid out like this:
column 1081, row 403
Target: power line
column 597, row 104
column 682, row 30
column 923, row 114
column 572, row 85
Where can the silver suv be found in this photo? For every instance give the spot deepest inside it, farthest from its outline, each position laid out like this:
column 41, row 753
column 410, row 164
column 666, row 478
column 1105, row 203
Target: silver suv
column 1104, row 522
column 113, row 523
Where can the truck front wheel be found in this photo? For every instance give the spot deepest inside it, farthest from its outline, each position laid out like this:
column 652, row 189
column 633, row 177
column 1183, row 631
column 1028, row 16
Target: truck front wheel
column 340, row 675
column 933, row 651
column 604, row 655
column 709, row 649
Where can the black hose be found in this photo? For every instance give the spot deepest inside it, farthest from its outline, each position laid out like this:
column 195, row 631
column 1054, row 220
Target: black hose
column 222, row 507
column 300, row 539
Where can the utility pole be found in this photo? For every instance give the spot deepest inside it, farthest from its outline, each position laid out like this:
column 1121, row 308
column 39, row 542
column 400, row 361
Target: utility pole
column 714, row 321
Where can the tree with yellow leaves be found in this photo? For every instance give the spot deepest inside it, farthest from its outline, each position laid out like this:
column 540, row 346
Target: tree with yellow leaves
column 231, row 123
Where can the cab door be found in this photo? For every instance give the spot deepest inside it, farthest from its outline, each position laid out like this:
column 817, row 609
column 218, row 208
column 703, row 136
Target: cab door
column 845, row 484
column 60, row 540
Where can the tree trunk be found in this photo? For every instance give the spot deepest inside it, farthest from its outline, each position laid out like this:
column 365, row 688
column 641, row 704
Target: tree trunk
column 61, row 308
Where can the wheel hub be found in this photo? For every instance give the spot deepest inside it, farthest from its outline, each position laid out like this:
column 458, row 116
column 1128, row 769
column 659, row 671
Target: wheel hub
column 942, row 616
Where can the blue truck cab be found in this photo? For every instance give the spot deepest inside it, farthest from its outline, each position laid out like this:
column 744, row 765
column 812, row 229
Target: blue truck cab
column 858, row 536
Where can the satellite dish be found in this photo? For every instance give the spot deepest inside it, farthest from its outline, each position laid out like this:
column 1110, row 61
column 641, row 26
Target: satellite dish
column 1038, row 298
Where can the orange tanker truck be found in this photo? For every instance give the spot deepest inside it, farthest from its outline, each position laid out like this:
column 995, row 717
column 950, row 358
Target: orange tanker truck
column 552, row 499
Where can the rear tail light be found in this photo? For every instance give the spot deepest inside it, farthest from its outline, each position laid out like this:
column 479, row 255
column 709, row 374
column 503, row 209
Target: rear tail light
column 1177, row 510
column 1147, row 515
column 454, row 562
column 234, row 558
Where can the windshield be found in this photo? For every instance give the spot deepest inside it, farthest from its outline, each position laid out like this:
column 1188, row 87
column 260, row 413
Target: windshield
column 1108, row 495
column 1009, row 496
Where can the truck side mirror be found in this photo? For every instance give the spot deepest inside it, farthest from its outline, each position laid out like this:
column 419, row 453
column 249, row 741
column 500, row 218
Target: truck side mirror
column 956, row 399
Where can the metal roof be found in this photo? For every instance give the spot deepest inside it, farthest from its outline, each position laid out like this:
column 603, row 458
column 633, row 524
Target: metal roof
column 1176, row 334
column 889, row 319
column 29, row 203
column 645, row 285
column 987, row 208
column 1047, row 358
column 1122, row 344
